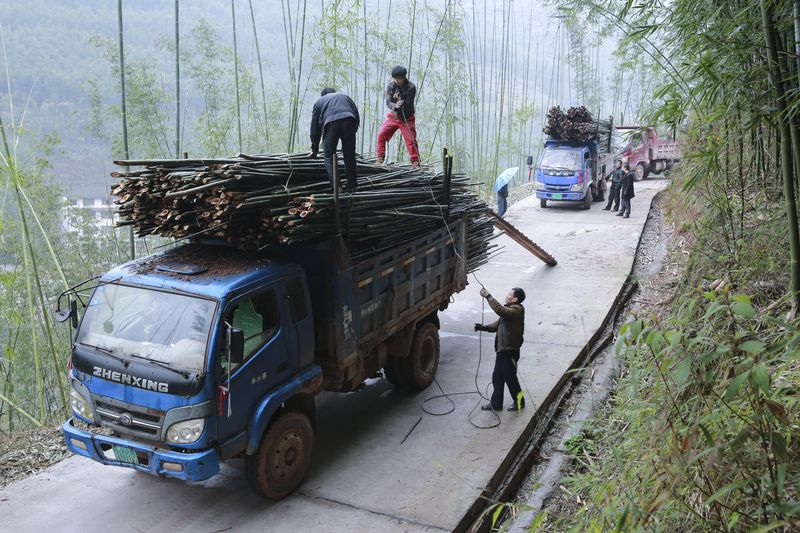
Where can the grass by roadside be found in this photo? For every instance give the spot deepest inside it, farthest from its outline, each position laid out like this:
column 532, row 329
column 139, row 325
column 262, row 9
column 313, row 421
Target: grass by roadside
column 700, row 432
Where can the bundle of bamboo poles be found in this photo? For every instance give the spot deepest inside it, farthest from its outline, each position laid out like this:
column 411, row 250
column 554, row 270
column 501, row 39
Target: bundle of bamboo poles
column 256, row 201
column 576, row 124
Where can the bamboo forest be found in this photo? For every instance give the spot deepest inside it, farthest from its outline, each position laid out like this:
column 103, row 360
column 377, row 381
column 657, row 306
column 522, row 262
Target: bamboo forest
column 273, row 266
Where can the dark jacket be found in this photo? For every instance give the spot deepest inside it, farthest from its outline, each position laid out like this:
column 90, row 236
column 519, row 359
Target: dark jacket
column 503, row 191
column 509, row 327
column 407, row 93
column 617, row 174
column 333, row 106
column 627, row 186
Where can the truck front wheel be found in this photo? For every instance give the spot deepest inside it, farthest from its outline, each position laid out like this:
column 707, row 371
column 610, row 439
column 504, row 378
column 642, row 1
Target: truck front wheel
column 587, row 200
column 282, row 460
column 423, row 360
column 543, row 202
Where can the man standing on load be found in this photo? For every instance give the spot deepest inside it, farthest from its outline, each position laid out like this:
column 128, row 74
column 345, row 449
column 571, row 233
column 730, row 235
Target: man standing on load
column 400, row 95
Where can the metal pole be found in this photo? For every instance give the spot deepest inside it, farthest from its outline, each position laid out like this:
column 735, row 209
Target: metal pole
column 177, row 83
column 124, row 111
column 236, row 77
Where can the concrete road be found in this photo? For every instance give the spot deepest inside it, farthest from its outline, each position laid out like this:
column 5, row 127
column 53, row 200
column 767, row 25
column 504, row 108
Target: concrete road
column 369, row 472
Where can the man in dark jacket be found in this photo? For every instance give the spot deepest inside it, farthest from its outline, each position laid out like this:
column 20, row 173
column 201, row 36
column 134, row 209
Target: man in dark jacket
column 616, row 180
column 626, row 191
column 509, row 328
column 335, row 117
column 400, row 96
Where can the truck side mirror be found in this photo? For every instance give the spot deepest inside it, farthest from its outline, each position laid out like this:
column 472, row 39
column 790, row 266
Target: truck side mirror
column 70, row 313
column 530, row 160
column 234, row 345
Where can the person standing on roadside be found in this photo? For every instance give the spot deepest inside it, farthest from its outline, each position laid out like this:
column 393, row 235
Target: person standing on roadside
column 626, row 192
column 400, row 96
column 502, row 200
column 335, row 117
column 616, row 184
column 509, row 329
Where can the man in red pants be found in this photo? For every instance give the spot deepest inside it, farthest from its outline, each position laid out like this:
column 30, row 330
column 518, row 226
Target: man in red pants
column 400, row 95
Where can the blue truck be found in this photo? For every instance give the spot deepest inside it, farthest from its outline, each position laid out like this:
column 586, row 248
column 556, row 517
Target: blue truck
column 572, row 171
column 191, row 357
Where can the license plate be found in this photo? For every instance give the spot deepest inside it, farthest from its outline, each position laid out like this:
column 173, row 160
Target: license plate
column 557, row 196
column 125, row 455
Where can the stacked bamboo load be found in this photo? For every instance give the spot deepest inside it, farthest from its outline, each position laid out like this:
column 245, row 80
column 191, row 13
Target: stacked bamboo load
column 577, row 124
column 256, row 201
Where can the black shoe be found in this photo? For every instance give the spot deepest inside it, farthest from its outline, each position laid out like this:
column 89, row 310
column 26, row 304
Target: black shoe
column 626, row 216
column 615, row 208
column 620, row 214
column 490, row 407
column 606, row 208
column 514, row 407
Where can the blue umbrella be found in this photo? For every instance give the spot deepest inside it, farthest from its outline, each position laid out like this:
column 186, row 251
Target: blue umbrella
column 504, row 178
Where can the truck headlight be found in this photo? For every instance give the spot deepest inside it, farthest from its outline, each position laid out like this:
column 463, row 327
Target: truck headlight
column 80, row 406
column 186, row 432
column 577, row 187
column 539, row 185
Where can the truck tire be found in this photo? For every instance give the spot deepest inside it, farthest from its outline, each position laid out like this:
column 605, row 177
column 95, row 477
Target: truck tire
column 423, row 360
column 393, row 373
column 543, row 202
column 641, row 172
column 600, row 194
column 283, row 458
column 587, row 200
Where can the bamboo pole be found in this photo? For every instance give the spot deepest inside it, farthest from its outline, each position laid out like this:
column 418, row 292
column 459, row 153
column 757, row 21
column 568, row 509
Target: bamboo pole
column 260, row 76
column 236, row 76
column 177, row 82
column 124, row 108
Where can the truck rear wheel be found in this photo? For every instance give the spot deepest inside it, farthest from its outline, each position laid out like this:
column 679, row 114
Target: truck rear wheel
column 423, row 360
column 393, row 373
column 543, row 202
column 283, row 459
column 641, row 172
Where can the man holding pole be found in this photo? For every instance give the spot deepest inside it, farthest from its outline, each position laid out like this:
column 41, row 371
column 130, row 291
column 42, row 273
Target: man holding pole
column 400, row 95
column 509, row 330
column 335, row 117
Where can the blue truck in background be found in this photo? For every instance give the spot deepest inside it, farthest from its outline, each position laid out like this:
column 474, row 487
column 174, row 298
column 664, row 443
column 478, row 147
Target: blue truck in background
column 572, row 171
column 194, row 356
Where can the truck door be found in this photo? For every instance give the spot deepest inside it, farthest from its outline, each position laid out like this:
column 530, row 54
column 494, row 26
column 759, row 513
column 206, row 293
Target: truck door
column 301, row 336
column 268, row 357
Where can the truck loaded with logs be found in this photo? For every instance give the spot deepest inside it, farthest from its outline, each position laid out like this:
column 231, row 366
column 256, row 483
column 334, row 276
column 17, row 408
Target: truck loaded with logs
column 217, row 348
column 577, row 156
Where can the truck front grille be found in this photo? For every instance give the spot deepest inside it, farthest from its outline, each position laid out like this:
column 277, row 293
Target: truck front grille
column 129, row 418
column 556, row 188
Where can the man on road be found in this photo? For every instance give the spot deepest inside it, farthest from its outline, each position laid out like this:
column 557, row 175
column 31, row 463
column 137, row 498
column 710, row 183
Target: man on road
column 626, row 191
column 335, row 117
column 400, row 95
column 509, row 328
column 616, row 179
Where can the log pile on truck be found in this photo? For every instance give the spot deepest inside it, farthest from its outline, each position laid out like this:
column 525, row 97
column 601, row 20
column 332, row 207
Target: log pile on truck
column 576, row 124
column 253, row 202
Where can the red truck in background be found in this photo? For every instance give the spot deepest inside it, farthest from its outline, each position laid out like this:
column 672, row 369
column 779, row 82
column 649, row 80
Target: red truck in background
column 646, row 152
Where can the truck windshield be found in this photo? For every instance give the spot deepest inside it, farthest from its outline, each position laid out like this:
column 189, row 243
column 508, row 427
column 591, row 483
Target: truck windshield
column 160, row 326
column 563, row 159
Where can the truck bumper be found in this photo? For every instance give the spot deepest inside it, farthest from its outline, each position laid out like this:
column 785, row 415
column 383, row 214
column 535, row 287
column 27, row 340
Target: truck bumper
column 560, row 196
column 196, row 466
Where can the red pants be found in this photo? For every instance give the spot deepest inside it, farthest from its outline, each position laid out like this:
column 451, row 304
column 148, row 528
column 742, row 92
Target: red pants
column 407, row 128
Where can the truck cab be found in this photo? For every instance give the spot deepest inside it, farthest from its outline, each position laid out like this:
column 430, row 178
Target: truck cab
column 568, row 172
column 176, row 367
